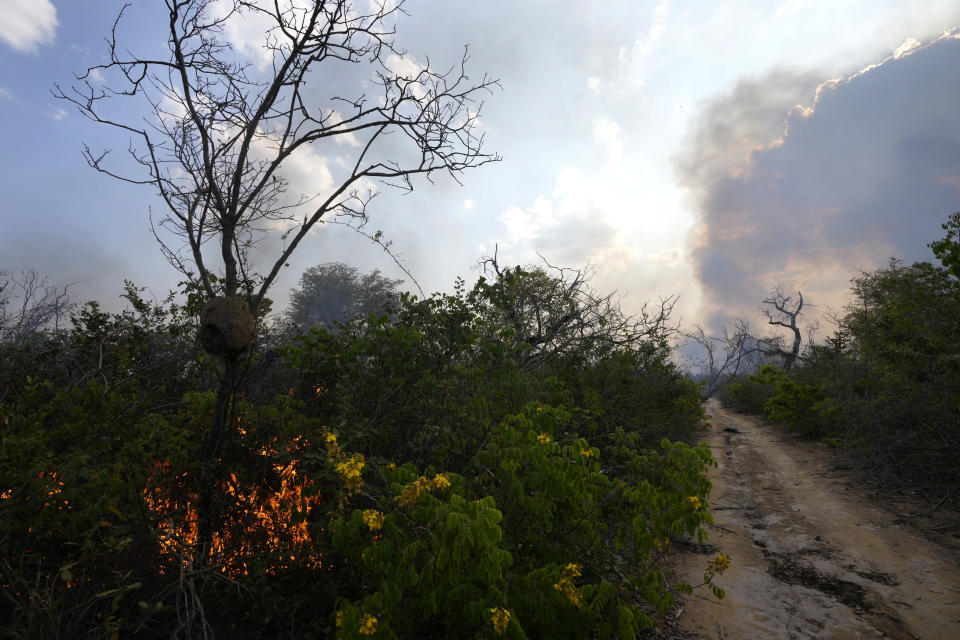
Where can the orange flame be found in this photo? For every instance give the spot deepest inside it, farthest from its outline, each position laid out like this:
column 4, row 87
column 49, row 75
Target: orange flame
column 264, row 521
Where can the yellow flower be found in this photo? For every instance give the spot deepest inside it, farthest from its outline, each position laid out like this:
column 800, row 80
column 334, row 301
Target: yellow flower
column 412, row 491
column 661, row 544
column 543, row 438
column 392, row 466
column 539, row 409
column 339, row 619
column 568, row 589
column 721, row 563
column 330, row 442
column 694, row 502
column 352, row 471
column 572, row 570
column 500, row 619
column 352, row 468
column 586, row 453
column 368, row 625
column 373, row 519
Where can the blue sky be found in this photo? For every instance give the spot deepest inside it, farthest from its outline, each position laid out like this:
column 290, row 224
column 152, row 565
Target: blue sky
column 711, row 150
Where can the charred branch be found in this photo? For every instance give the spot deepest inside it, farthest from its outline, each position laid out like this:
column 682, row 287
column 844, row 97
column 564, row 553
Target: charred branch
column 781, row 311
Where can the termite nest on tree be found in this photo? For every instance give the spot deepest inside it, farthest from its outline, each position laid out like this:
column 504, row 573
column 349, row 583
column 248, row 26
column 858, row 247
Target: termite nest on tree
column 226, row 326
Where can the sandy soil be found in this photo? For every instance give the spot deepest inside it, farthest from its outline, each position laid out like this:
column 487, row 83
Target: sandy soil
column 813, row 556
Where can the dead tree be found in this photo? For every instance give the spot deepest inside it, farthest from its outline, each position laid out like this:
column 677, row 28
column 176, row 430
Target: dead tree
column 29, row 304
column 782, row 312
column 723, row 357
column 220, row 131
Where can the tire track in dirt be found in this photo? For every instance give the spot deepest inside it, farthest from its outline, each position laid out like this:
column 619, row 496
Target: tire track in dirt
column 812, row 556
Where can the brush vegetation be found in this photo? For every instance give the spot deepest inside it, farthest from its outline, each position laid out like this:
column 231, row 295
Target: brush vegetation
column 511, row 460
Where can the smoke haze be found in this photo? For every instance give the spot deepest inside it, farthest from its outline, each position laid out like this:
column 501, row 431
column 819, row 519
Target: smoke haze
column 799, row 184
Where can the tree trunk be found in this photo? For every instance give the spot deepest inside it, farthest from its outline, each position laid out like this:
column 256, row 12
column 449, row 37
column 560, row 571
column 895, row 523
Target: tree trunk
column 795, row 350
column 207, row 508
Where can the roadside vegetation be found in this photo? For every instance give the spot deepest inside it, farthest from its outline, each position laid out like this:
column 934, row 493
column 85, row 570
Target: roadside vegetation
column 884, row 388
column 512, row 460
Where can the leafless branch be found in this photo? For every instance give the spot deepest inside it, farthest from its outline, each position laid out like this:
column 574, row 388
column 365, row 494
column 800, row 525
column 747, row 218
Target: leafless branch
column 220, row 132
column 378, row 239
column 782, row 312
column 28, row 304
column 723, row 357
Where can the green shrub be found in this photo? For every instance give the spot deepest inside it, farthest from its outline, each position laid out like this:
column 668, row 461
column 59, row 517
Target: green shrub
column 748, row 395
column 556, row 500
column 537, row 541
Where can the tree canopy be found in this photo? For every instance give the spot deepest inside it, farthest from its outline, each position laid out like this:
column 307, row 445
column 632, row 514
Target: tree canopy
column 334, row 293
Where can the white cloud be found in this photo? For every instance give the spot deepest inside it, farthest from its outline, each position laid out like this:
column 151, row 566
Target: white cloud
column 405, row 66
column 408, row 68
column 593, row 83
column 908, row 45
column 59, row 114
column 348, row 139
column 523, row 225
column 606, row 133
column 5, row 94
column 247, row 34
column 660, row 21
column 96, row 75
column 468, row 204
column 308, row 172
column 26, row 24
column 569, row 225
column 309, row 180
column 790, row 8
column 247, row 31
column 638, row 56
column 175, row 107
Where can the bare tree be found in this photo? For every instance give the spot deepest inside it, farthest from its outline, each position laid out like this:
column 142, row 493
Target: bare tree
column 781, row 311
column 219, row 132
column 723, row 357
column 28, row 304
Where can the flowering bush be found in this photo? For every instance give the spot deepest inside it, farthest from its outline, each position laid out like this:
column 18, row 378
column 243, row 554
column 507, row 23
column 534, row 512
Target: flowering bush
column 535, row 540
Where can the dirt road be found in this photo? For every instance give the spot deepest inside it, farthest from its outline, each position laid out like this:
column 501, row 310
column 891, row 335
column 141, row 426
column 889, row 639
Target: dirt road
column 812, row 556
